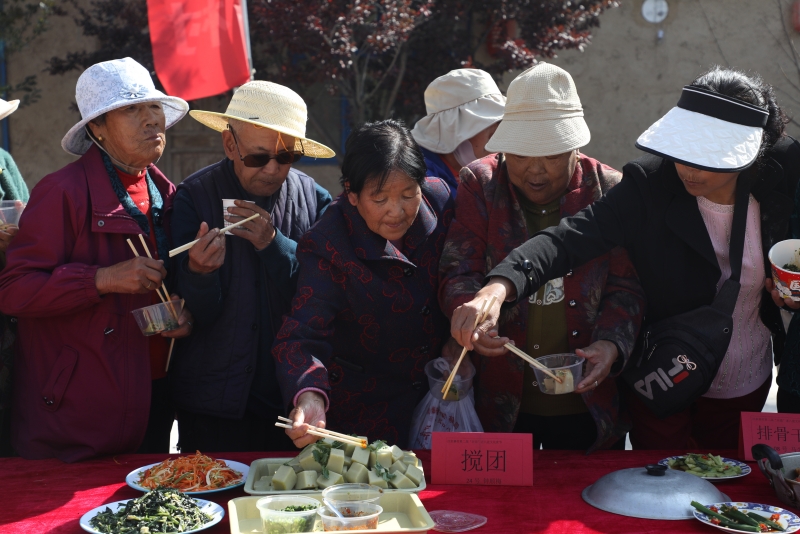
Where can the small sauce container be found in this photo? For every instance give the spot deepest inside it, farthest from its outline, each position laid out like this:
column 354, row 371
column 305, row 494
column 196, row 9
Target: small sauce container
column 358, row 516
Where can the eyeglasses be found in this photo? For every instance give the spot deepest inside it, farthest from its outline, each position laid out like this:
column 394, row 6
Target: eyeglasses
column 260, row 160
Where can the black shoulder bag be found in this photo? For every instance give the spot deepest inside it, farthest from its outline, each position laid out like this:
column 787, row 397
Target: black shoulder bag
column 681, row 355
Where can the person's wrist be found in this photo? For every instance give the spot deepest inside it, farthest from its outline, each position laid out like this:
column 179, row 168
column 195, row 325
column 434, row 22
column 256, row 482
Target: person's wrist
column 502, row 288
column 268, row 242
column 310, row 397
column 102, row 281
column 196, row 268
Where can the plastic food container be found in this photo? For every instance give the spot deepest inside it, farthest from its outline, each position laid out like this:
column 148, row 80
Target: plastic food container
column 10, row 211
column 158, row 318
column 358, row 516
column 276, row 521
column 568, row 367
column 461, row 385
column 784, row 257
column 348, row 493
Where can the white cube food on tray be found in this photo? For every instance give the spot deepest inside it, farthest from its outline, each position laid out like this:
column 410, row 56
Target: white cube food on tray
column 349, row 448
column 357, row 473
column 284, row 478
column 399, row 467
column 400, row 481
column 397, row 453
column 336, row 461
column 332, row 480
column 376, row 480
column 263, row 484
column 414, row 474
column 306, row 480
column 361, row 456
column 385, row 457
column 411, row 459
column 310, row 464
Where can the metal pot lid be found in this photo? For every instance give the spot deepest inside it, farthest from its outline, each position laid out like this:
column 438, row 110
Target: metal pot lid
column 652, row 492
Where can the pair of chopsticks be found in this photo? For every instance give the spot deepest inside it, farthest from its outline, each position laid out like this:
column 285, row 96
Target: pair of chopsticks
column 187, row 246
column 167, row 300
column 478, row 320
column 533, row 362
column 325, row 433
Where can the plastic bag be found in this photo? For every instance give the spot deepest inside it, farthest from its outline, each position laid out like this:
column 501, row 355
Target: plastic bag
column 434, row 414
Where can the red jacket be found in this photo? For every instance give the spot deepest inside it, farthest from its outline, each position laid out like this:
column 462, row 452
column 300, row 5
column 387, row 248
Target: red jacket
column 82, row 375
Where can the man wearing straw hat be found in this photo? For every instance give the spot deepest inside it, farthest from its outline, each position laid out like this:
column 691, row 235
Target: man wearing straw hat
column 464, row 108
column 223, row 377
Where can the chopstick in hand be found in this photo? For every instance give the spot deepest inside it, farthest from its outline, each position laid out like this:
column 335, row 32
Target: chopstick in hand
column 187, row 246
column 543, row 368
column 320, row 432
column 478, row 320
column 331, row 433
column 136, row 253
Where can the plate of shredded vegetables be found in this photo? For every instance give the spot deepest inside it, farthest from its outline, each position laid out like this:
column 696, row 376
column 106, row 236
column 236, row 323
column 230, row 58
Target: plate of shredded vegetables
column 707, row 466
column 195, row 474
column 161, row 510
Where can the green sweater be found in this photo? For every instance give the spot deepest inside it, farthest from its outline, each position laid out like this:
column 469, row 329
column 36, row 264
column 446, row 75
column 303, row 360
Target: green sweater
column 12, row 186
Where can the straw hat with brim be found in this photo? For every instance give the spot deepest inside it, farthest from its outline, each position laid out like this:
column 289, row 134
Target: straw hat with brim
column 112, row 85
column 543, row 116
column 460, row 105
column 268, row 105
column 7, row 108
column 708, row 131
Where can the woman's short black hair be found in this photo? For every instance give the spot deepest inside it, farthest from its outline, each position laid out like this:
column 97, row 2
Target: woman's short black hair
column 376, row 149
column 752, row 89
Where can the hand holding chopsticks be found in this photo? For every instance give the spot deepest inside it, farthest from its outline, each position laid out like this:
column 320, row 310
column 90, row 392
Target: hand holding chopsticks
column 187, row 246
column 478, row 320
column 324, row 433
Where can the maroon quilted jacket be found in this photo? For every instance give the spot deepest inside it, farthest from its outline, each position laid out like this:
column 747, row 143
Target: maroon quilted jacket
column 604, row 298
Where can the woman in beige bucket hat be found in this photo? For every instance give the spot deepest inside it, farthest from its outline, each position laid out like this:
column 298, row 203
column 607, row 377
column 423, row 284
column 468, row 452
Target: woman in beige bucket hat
column 537, row 177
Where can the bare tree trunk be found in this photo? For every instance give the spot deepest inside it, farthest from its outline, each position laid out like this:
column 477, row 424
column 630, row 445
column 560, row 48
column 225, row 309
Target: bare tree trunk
column 401, row 72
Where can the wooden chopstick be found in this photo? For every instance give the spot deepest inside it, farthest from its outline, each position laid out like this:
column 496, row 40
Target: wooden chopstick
column 169, row 355
column 136, row 253
column 187, row 246
column 478, row 320
column 350, row 439
column 163, row 286
column 330, row 432
column 539, row 365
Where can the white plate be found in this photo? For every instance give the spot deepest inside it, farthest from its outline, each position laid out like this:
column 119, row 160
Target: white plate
column 746, row 470
column 788, row 520
column 133, row 478
column 211, row 508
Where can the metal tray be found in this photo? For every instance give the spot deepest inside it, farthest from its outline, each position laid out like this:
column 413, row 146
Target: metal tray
column 259, row 468
column 402, row 512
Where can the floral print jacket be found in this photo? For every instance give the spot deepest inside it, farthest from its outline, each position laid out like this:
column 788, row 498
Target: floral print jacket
column 604, row 298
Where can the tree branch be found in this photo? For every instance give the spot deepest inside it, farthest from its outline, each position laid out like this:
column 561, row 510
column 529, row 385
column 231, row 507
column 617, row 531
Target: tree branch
column 398, row 81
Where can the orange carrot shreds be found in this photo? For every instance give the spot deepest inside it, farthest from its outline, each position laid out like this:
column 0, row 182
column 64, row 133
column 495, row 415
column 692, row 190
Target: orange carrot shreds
column 190, row 473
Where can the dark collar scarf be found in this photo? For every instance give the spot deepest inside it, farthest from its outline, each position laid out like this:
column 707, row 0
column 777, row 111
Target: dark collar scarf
column 156, row 204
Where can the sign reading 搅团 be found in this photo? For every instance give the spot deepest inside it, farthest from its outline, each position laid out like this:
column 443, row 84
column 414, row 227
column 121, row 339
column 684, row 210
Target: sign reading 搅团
column 487, row 459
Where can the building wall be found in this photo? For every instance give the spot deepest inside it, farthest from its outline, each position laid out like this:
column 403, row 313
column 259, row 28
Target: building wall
column 628, row 78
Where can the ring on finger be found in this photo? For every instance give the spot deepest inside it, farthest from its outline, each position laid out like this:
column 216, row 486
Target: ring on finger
column 595, row 383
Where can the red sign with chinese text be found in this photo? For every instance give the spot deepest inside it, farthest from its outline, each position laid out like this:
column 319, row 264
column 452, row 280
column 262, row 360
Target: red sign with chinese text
column 483, row 459
column 781, row 431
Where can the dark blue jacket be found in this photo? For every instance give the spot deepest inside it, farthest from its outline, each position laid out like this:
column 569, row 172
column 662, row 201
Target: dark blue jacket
column 225, row 367
column 365, row 319
column 437, row 168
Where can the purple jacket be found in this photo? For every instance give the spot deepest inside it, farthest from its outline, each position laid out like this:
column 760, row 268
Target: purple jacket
column 365, row 319
column 82, row 376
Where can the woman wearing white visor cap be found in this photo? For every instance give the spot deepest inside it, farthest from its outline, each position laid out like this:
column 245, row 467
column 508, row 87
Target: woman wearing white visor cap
column 697, row 215
column 464, row 107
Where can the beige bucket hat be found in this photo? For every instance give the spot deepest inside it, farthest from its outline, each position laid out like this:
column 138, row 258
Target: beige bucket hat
column 460, row 104
column 543, row 116
column 7, row 108
column 268, row 105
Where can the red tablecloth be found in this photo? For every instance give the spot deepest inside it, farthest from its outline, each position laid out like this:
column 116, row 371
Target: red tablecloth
column 49, row 496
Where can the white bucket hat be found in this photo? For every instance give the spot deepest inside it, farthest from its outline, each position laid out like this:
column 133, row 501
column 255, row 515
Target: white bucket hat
column 708, row 131
column 544, row 116
column 111, row 85
column 268, row 105
column 460, row 105
column 7, row 108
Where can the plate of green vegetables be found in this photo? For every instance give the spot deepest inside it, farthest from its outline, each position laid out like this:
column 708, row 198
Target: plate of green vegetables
column 160, row 510
column 746, row 517
column 707, row 466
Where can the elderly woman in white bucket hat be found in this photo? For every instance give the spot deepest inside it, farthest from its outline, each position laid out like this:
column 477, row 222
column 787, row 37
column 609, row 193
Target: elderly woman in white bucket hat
column 537, row 177
column 83, row 375
column 464, row 107
column 241, row 286
column 697, row 215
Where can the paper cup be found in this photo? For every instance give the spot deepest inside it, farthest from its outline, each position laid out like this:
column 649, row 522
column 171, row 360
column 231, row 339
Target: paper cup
column 783, row 255
column 230, row 203
column 10, row 211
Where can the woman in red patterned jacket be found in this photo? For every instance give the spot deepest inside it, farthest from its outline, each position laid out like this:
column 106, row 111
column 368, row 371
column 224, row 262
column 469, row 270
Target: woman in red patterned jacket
column 538, row 177
column 365, row 319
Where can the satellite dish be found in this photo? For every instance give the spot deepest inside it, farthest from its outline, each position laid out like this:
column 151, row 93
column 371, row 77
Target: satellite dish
column 655, row 11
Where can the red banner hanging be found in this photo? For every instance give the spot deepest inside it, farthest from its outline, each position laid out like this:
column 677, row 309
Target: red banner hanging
column 199, row 46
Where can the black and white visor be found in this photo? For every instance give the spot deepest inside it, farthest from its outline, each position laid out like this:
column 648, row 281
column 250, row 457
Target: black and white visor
column 707, row 130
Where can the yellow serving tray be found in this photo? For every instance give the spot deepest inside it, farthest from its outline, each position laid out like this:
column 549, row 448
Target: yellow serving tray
column 259, row 468
column 402, row 512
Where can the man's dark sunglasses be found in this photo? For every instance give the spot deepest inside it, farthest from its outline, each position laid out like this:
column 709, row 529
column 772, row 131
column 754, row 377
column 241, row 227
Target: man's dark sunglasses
column 260, row 160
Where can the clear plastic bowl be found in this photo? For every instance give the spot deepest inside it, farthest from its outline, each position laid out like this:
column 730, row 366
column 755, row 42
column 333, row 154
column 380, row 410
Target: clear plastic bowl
column 358, row 516
column 568, row 366
column 158, row 318
column 10, row 211
column 347, row 493
column 275, row 521
column 460, row 387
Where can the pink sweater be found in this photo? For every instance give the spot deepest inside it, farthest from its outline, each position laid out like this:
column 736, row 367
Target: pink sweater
column 748, row 362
